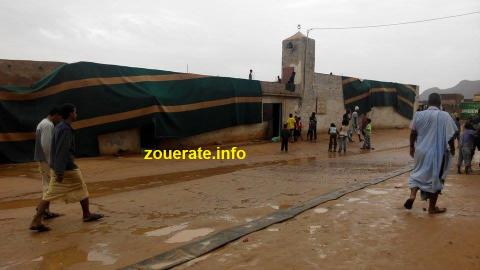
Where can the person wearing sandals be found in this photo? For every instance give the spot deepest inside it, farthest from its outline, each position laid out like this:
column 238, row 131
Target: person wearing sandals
column 432, row 145
column 43, row 140
column 66, row 179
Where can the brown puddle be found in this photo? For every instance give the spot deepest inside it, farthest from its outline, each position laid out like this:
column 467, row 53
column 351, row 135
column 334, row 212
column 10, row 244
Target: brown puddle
column 188, row 235
column 63, row 258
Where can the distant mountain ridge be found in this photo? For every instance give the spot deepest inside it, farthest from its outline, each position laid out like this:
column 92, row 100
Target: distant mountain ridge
column 466, row 88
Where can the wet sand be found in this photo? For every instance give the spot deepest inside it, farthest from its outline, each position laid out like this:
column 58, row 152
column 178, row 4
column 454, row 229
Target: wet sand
column 367, row 229
column 154, row 206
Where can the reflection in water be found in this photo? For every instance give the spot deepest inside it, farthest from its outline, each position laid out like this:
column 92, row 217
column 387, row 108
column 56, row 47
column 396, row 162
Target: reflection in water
column 65, row 258
column 167, row 230
column 320, row 210
column 188, row 235
column 62, row 259
column 101, row 254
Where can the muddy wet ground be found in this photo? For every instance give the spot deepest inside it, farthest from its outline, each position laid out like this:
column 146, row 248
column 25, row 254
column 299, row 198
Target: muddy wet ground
column 154, row 206
column 367, row 229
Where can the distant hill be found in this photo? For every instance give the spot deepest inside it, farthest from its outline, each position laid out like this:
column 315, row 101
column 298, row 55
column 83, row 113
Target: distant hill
column 466, row 88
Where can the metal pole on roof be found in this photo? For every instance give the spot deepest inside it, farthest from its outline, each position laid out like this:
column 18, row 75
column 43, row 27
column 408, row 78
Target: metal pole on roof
column 305, row 63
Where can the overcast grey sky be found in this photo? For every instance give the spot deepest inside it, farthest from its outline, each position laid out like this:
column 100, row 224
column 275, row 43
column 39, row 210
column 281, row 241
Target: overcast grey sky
column 228, row 38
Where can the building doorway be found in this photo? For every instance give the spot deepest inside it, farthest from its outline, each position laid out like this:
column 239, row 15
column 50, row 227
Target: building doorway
column 272, row 113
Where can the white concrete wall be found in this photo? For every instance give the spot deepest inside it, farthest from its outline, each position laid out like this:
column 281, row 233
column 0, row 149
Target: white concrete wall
column 326, row 98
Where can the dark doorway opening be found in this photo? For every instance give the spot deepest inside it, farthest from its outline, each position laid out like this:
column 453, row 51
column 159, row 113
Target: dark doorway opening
column 272, row 113
column 147, row 136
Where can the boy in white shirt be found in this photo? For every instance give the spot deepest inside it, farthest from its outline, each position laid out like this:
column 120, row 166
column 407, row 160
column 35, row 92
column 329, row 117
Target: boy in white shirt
column 332, row 131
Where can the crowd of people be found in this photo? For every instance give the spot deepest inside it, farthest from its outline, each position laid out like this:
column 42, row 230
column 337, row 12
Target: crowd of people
column 432, row 145
column 352, row 123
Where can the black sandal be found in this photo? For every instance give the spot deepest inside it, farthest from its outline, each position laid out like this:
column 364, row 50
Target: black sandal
column 40, row 228
column 50, row 215
column 408, row 204
column 93, row 217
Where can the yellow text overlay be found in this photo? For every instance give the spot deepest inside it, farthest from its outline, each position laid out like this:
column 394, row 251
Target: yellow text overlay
column 199, row 153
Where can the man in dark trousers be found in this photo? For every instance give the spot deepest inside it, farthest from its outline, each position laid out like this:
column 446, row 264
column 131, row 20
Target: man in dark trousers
column 312, row 127
column 285, row 136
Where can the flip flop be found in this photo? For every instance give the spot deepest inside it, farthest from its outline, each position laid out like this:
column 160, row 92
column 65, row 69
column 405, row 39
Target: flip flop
column 408, row 203
column 93, row 217
column 438, row 210
column 40, row 228
column 50, row 215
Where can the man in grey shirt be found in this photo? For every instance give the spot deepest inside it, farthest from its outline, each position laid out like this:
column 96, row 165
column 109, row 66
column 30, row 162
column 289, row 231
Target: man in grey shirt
column 66, row 181
column 43, row 141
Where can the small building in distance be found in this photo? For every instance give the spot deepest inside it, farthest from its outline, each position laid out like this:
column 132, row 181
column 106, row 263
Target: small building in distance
column 476, row 97
column 451, row 102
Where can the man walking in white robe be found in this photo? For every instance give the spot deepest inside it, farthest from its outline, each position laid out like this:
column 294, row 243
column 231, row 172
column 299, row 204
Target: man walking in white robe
column 432, row 147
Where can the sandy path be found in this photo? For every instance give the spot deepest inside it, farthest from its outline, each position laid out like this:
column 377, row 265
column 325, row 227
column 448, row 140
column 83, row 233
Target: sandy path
column 154, row 207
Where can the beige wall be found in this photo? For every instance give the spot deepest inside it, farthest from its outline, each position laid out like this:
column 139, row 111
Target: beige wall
column 301, row 58
column 128, row 141
column 387, row 117
column 289, row 105
column 327, row 97
column 125, row 141
column 227, row 135
column 328, row 89
column 323, row 93
column 24, row 72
